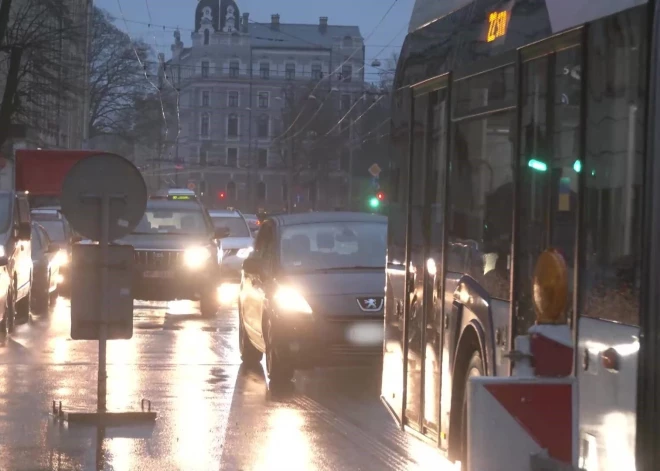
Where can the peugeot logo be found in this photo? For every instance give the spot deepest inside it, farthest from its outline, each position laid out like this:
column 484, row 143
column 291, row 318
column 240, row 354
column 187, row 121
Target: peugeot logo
column 370, row 304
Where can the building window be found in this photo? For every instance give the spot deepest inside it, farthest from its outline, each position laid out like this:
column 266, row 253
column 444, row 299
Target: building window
column 232, row 125
column 262, row 126
column 290, row 71
column 264, row 70
column 345, row 102
column 344, row 125
column 347, row 41
column 234, row 67
column 346, row 72
column 262, row 156
column 317, row 72
column 203, row 156
column 232, row 157
column 345, row 160
column 206, row 98
column 261, row 191
column 205, row 125
column 285, row 191
column 231, row 190
column 205, row 69
column 263, row 99
column 232, row 99
column 207, row 37
column 288, row 98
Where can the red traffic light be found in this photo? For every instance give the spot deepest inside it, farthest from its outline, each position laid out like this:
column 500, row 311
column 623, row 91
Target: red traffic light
column 221, row 195
column 380, row 195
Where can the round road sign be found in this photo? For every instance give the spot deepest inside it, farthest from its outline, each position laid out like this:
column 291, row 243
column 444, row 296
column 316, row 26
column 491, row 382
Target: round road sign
column 97, row 176
column 192, row 186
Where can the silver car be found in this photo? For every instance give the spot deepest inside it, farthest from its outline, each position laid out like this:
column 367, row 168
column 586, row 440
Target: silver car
column 234, row 248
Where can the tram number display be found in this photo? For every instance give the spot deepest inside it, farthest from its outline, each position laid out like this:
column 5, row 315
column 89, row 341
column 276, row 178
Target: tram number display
column 497, row 25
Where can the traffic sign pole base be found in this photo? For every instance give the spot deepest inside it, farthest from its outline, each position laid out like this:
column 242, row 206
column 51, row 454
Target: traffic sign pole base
column 106, row 418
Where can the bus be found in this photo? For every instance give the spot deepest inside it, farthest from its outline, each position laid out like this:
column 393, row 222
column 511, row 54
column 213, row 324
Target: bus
column 521, row 127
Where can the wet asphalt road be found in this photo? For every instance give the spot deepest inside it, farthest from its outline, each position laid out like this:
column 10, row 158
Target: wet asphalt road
column 213, row 414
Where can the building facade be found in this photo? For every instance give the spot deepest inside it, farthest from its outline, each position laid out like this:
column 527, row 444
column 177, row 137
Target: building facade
column 252, row 97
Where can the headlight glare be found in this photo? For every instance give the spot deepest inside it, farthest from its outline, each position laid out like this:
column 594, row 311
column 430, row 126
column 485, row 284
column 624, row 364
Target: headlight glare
column 62, row 258
column 290, row 300
column 196, row 257
column 244, row 253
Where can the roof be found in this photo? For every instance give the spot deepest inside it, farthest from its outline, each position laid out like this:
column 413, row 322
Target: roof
column 173, row 205
column 330, row 216
column 296, row 35
column 224, row 212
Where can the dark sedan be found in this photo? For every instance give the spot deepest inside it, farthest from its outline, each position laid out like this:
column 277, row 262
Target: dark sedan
column 312, row 292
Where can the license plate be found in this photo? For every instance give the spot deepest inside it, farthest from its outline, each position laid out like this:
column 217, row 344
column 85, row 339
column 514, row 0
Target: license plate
column 158, row 274
column 365, row 333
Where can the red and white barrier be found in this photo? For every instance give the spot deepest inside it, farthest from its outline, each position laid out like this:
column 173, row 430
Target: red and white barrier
column 510, row 420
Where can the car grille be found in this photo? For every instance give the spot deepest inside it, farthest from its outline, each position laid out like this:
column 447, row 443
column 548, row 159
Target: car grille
column 229, row 252
column 158, row 258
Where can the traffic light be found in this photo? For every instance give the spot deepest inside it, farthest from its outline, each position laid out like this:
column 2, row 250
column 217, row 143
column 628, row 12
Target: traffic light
column 222, row 195
column 381, row 196
column 374, row 202
column 537, row 165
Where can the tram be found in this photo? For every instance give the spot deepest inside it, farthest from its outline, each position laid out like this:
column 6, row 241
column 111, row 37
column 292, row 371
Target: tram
column 522, row 128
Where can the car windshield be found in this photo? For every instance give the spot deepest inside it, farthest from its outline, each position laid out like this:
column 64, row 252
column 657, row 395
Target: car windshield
column 236, row 226
column 172, row 221
column 55, row 230
column 333, row 246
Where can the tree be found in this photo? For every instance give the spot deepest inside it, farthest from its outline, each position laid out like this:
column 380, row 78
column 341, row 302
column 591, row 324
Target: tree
column 310, row 137
column 117, row 78
column 40, row 44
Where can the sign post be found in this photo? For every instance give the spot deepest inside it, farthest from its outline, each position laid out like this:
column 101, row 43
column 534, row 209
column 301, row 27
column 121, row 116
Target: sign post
column 104, row 198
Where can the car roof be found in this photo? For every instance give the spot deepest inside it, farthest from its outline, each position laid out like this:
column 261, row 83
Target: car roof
column 329, row 216
column 173, row 205
column 225, row 213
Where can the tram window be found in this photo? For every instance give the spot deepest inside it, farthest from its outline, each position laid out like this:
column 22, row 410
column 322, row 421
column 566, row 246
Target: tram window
column 488, row 91
column 398, row 170
column 614, row 167
column 481, row 202
column 549, row 181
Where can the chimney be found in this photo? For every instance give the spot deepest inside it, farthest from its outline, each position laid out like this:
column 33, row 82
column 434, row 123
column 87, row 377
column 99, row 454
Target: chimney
column 323, row 24
column 275, row 21
column 246, row 18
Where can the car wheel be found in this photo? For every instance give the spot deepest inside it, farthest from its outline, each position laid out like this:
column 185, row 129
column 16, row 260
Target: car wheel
column 10, row 312
column 474, row 368
column 209, row 304
column 249, row 353
column 23, row 306
column 279, row 369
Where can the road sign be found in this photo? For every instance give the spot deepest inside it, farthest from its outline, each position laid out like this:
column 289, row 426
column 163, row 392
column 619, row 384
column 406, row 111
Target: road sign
column 375, row 170
column 85, row 318
column 192, row 185
column 89, row 180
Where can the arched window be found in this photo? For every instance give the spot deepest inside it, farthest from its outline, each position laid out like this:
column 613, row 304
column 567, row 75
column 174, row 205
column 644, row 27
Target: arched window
column 231, row 190
column 207, row 37
column 262, row 126
column 261, row 191
column 206, row 124
column 232, row 125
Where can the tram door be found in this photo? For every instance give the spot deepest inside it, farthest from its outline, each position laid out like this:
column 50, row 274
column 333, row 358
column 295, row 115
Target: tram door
column 425, row 237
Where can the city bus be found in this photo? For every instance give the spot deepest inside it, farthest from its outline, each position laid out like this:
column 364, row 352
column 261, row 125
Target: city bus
column 521, row 127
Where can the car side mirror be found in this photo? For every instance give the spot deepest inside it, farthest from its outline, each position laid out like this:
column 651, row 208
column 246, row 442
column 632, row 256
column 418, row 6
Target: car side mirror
column 222, row 232
column 24, row 231
column 76, row 238
column 252, row 265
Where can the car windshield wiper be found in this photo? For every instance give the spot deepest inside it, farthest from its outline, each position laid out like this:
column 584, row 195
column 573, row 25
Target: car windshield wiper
column 354, row 267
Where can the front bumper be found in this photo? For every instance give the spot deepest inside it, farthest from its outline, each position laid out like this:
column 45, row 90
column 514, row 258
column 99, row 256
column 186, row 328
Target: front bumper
column 177, row 284
column 313, row 340
column 230, row 269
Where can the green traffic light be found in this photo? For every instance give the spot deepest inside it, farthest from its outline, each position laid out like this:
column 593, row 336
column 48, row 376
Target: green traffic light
column 577, row 166
column 374, row 203
column 537, row 165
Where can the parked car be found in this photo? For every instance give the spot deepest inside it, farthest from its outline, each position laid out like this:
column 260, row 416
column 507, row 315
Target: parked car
column 46, row 268
column 15, row 258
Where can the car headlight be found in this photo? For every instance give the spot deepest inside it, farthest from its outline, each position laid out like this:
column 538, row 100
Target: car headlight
column 290, row 300
column 196, row 257
column 244, row 253
column 61, row 258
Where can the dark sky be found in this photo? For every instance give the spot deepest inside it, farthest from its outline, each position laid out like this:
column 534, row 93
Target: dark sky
column 366, row 14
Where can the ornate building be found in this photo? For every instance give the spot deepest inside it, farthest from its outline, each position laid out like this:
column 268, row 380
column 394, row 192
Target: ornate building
column 242, row 86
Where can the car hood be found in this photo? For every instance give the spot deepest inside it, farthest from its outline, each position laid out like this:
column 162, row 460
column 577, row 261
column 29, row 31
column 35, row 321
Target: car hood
column 162, row 242
column 236, row 242
column 337, row 293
